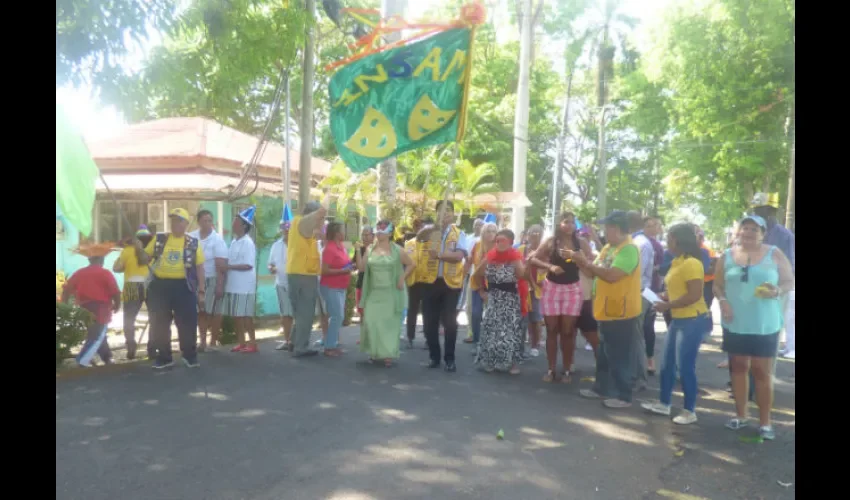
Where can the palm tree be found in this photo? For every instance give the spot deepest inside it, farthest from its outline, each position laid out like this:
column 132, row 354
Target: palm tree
column 351, row 190
column 471, row 180
column 609, row 28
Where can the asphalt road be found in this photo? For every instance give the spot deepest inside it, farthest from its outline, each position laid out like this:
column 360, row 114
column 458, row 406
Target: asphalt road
column 268, row 426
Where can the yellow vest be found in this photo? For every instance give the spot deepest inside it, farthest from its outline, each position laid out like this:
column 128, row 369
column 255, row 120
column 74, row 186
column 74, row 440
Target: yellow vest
column 452, row 272
column 620, row 300
column 537, row 286
column 302, row 255
column 477, row 257
column 412, row 249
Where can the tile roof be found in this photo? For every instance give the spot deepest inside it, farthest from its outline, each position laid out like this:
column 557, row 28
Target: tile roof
column 193, row 138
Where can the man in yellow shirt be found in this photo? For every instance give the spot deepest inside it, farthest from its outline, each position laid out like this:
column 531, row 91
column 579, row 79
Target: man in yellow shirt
column 303, row 266
column 176, row 290
column 135, row 277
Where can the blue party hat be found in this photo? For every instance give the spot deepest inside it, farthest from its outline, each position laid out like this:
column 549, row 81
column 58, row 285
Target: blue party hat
column 490, row 219
column 286, row 218
column 248, row 214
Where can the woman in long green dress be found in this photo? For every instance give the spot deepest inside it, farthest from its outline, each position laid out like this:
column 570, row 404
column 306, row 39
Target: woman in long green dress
column 384, row 296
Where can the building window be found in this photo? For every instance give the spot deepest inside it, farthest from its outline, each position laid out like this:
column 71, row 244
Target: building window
column 112, row 226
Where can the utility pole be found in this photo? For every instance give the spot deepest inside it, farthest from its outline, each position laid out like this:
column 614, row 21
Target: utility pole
column 792, row 201
column 388, row 169
column 521, row 119
column 306, row 128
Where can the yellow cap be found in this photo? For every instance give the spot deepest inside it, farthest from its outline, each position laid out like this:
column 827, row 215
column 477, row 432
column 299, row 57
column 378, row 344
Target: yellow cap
column 766, row 200
column 179, row 212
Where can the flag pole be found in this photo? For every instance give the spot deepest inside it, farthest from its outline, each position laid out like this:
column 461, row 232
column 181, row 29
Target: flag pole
column 286, row 164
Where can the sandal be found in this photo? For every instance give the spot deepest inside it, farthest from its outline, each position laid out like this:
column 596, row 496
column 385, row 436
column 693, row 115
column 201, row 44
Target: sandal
column 333, row 353
column 737, row 423
column 549, row 377
column 514, row 370
column 565, row 378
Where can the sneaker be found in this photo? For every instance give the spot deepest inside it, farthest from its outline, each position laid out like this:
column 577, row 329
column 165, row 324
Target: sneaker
column 450, row 367
column 737, row 423
column 685, row 418
column 589, row 394
column 468, row 340
column 251, row 349
column 162, row 365
column 282, row 346
column 84, row 365
column 431, row 364
column 191, row 363
column 616, row 403
column 410, row 344
column 767, row 433
column 588, row 347
column 789, row 355
column 534, row 353
column 238, row 348
column 309, row 352
column 319, row 342
column 657, row 407
column 131, row 351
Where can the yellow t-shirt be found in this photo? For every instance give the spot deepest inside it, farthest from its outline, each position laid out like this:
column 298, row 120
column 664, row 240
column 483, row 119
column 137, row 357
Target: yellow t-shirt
column 170, row 265
column 682, row 270
column 132, row 269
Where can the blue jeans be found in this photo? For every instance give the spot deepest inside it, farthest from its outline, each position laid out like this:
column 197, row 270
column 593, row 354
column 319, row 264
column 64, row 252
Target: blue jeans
column 683, row 338
column 335, row 300
column 477, row 314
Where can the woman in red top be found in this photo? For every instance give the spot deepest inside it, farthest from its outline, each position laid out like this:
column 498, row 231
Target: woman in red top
column 336, row 275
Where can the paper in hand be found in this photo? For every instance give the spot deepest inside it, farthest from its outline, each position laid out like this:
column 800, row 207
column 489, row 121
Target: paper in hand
column 651, row 296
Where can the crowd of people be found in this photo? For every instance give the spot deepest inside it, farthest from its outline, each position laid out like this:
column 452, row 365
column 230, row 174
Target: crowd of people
column 608, row 286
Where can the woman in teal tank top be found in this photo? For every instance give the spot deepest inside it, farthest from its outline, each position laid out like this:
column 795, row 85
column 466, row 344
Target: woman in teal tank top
column 749, row 281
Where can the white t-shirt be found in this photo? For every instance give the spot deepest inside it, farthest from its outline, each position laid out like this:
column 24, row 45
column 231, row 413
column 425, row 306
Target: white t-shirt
column 277, row 256
column 214, row 247
column 242, row 251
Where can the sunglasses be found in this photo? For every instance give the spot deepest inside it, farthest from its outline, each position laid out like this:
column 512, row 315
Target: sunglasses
column 745, row 272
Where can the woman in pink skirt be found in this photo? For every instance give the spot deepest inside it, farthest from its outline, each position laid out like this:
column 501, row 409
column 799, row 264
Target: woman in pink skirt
column 562, row 294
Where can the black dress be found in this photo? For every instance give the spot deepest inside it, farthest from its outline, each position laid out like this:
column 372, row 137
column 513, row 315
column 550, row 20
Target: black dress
column 501, row 343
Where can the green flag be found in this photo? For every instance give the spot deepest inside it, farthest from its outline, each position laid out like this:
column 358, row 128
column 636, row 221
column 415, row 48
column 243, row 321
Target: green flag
column 76, row 174
column 401, row 99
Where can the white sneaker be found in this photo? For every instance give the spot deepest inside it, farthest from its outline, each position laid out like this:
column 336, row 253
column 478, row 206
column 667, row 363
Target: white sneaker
column 534, row 353
column 657, row 407
column 588, row 347
column 789, row 355
column 685, row 418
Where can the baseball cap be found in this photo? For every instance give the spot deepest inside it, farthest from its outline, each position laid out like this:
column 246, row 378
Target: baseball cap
column 756, row 219
column 617, row 218
column 179, row 212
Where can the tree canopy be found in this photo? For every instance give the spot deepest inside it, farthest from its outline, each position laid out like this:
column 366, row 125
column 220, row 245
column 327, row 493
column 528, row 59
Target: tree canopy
column 698, row 123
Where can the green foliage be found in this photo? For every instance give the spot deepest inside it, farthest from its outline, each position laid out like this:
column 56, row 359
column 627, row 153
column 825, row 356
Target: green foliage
column 71, row 329
column 729, row 69
column 93, row 35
